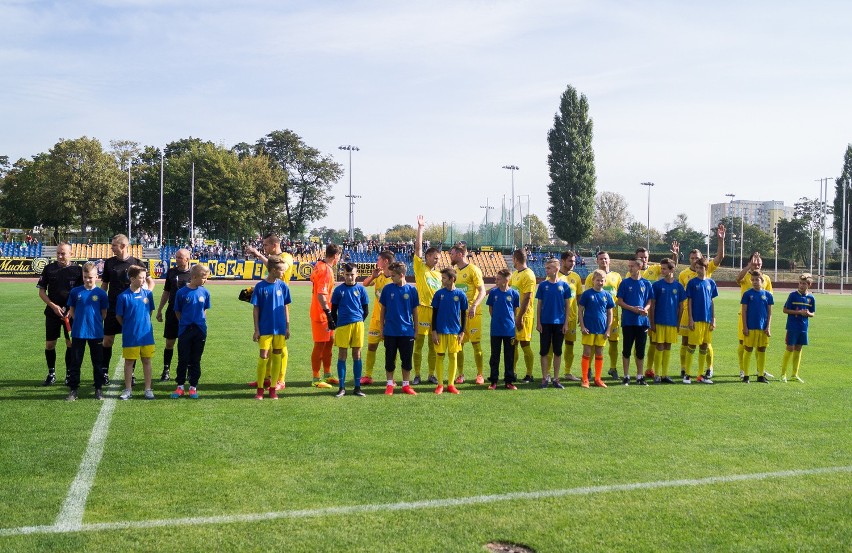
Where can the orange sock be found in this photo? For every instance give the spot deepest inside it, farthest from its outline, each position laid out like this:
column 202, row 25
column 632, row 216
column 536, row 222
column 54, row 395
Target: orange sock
column 326, row 356
column 598, row 366
column 316, row 358
column 584, row 366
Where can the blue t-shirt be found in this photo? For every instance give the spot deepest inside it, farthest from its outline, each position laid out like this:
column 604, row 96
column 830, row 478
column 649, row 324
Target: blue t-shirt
column 797, row 301
column 88, row 323
column 635, row 293
column 702, row 292
column 350, row 302
column 135, row 308
column 758, row 302
column 595, row 305
column 448, row 306
column 271, row 298
column 551, row 297
column 399, row 303
column 503, row 305
column 667, row 299
column 191, row 304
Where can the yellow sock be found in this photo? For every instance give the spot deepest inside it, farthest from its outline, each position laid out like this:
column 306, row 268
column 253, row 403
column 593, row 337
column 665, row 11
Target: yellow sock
column 683, row 353
column 285, row 359
column 710, row 355
column 797, row 360
column 431, row 358
column 261, row 370
column 687, row 363
column 451, row 361
column 651, row 357
column 666, row 355
column 529, row 359
column 276, row 368
column 761, row 362
column 613, row 354
column 740, row 354
column 268, row 367
column 417, row 358
column 785, row 362
column 439, row 368
column 477, row 356
column 746, row 364
column 459, row 363
column 371, row 362
column 568, row 356
column 702, row 361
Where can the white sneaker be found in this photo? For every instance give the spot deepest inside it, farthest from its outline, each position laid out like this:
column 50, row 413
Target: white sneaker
column 709, row 373
column 149, row 394
column 742, row 374
column 767, row 375
column 798, row 378
column 126, row 395
column 783, row 378
column 686, row 380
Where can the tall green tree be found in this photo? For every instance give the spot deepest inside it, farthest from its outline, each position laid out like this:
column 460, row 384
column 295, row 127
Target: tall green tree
column 687, row 237
column 572, row 169
column 845, row 179
column 794, row 240
column 401, row 233
column 308, row 178
column 611, row 218
column 532, row 230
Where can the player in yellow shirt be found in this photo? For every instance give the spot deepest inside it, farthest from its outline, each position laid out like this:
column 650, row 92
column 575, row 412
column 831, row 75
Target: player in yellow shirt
column 469, row 280
column 272, row 246
column 684, row 277
column 652, row 272
column 379, row 279
column 522, row 279
column 611, row 284
column 567, row 274
column 755, row 263
column 427, row 280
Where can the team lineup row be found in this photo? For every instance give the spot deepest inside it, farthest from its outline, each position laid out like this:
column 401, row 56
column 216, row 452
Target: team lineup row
column 442, row 309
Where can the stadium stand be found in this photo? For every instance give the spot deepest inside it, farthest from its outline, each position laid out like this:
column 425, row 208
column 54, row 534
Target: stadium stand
column 20, row 249
column 101, row 251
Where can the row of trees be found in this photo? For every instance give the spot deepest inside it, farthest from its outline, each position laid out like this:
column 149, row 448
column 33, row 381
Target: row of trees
column 279, row 184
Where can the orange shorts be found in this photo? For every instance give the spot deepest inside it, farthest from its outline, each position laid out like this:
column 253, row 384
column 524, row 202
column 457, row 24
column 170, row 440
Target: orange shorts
column 320, row 331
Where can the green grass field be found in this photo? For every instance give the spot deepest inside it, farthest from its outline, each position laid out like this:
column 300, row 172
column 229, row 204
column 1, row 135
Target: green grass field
column 674, row 468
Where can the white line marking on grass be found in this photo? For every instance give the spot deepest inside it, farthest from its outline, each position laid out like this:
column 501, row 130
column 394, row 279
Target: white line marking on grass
column 70, row 517
column 414, row 505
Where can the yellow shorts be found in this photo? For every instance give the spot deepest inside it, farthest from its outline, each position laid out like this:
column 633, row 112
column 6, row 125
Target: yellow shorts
column 740, row 327
column 594, row 340
column 571, row 335
column 374, row 334
column 613, row 332
column 701, row 335
column 447, row 343
column 424, row 320
column 683, row 329
column 473, row 329
column 524, row 333
column 665, row 335
column 756, row 339
column 272, row 341
column 138, row 352
column 349, row 336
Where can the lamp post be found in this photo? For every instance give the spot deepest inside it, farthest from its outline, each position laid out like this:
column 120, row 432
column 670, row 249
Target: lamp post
column 731, row 215
column 512, row 168
column 162, row 166
column 649, row 185
column 529, row 235
column 129, row 225
column 487, row 208
column 350, row 148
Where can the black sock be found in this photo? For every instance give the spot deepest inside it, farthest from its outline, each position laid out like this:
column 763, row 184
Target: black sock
column 69, row 359
column 167, row 358
column 50, row 357
column 107, row 356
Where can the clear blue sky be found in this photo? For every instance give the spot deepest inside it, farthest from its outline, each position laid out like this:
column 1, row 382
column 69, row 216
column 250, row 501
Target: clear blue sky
column 701, row 98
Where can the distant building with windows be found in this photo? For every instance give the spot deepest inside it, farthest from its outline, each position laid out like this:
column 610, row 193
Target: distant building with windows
column 764, row 215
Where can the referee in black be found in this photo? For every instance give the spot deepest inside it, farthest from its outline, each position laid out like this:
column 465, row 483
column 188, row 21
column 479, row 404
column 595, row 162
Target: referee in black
column 56, row 281
column 114, row 280
column 176, row 278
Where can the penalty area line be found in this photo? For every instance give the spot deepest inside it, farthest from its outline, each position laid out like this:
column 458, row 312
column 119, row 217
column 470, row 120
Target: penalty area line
column 415, row 505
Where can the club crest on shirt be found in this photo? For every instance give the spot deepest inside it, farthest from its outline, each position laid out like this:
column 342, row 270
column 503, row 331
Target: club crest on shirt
column 144, row 300
column 278, row 292
column 455, row 298
column 356, row 293
column 405, row 296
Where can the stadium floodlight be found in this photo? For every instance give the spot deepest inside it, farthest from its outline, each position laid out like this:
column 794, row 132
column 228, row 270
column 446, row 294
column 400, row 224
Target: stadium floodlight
column 649, row 185
column 512, row 168
column 731, row 230
column 350, row 148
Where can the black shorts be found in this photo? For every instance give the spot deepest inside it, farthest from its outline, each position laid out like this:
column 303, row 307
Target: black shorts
column 637, row 335
column 551, row 337
column 52, row 327
column 111, row 325
column 171, row 330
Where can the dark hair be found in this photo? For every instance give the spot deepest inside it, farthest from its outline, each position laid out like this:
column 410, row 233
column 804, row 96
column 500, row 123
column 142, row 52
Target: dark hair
column 450, row 272
column 349, row 267
column 331, row 250
column 519, row 256
column 568, row 255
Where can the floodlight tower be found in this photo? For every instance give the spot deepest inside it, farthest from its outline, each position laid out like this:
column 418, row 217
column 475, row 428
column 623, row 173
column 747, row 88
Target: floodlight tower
column 512, row 168
column 350, row 148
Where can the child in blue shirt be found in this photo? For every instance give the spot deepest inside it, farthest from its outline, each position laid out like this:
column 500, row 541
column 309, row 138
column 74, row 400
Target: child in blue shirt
column 133, row 310
column 757, row 318
column 398, row 317
column 449, row 314
column 634, row 297
column 594, row 312
column 799, row 307
column 502, row 302
column 191, row 305
column 700, row 292
column 87, row 309
column 551, row 315
column 349, row 310
column 666, row 310
column 271, row 301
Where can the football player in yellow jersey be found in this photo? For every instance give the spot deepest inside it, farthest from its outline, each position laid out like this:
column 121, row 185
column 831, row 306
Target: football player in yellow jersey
column 684, row 277
column 755, row 263
column 469, row 280
column 427, row 280
column 566, row 273
column 522, row 279
column 611, row 283
column 272, row 246
column 381, row 276
column 652, row 273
